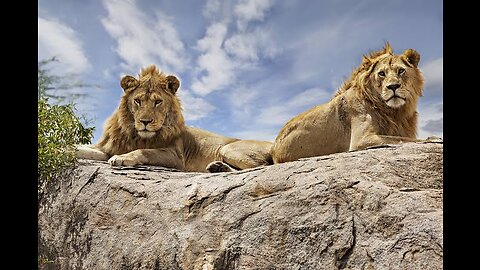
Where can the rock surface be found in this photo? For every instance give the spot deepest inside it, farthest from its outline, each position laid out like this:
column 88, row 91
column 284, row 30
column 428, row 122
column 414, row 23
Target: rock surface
column 379, row 208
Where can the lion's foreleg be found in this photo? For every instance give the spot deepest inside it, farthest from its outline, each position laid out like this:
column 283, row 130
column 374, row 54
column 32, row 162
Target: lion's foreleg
column 374, row 140
column 89, row 151
column 365, row 135
column 164, row 157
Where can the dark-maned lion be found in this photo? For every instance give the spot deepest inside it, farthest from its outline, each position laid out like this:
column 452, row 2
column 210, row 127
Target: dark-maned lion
column 148, row 128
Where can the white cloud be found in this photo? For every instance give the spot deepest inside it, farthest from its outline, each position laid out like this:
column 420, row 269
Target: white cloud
column 242, row 46
column 194, row 108
column 430, row 119
column 57, row 39
column 223, row 56
column 251, row 10
column 211, row 8
column 280, row 114
column 430, row 108
column 240, row 97
column 214, row 37
column 142, row 40
column 433, row 74
column 249, row 47
column 214, row 63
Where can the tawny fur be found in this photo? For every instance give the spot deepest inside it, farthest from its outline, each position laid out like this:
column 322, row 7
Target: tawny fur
column 148, row 128
column 363, row 112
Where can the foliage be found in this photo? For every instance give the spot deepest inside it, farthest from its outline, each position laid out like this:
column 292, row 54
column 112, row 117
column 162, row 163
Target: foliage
column 43, row 262
column 45, row 79
column 59, row 129
column 57, row 88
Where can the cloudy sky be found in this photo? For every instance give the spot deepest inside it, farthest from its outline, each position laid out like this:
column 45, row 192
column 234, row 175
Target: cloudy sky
column 245, row 66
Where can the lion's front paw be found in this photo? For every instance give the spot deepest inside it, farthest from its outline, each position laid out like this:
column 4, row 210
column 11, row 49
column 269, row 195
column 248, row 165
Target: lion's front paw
column 123, row 160
column 218, row 166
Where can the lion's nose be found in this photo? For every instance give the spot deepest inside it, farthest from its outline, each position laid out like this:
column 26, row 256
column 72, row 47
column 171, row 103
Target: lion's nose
column 146, row 122
column 393, row 87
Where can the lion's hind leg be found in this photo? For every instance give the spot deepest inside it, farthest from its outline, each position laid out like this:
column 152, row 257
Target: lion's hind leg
column 247, row 154
column 90, row 151
column 240, row 155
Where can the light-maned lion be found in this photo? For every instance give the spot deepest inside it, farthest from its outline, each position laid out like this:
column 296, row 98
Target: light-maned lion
column 148, row 128
column 377, row 105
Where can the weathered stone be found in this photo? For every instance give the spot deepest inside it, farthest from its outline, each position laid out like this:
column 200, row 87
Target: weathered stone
column 379, row 208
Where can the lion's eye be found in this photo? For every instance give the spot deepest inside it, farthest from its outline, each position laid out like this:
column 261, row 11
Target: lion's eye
column 381, row 74
column 158, row 101
column 401, row 71
column 137, row 101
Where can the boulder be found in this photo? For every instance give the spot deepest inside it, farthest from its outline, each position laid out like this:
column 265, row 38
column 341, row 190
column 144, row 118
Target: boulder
column 379, row 208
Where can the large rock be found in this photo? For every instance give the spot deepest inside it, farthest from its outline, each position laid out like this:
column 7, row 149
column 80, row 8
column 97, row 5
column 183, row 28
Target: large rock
column 379, row 208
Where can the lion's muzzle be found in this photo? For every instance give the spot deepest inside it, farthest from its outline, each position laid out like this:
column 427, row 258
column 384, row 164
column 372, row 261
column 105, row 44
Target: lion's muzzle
column 145, row 122
column 393, row 86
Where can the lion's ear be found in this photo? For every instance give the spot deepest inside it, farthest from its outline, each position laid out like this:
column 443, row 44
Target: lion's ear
column 128, row 82
column 172, row 84
column 413, row 57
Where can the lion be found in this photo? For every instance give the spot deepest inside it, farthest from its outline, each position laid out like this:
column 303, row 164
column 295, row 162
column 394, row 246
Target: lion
column 148, row 128
column 376, row 105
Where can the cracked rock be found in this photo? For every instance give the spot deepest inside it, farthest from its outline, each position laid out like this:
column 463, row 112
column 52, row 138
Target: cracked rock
column 379, row 208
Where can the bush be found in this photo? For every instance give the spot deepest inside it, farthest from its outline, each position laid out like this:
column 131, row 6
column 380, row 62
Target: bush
column 59, row 128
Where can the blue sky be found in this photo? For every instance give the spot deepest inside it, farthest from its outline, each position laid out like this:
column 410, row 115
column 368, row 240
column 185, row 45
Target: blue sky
column 246, row 66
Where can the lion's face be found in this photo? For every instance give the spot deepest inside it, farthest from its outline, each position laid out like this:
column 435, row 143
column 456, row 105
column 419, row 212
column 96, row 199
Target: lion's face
column 148, row 112
column 149, row 102
column 393, row 76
